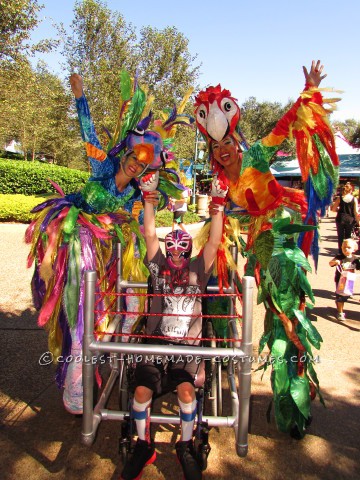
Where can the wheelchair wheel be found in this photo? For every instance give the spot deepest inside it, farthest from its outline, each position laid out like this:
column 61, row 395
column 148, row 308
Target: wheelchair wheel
column 125, row 441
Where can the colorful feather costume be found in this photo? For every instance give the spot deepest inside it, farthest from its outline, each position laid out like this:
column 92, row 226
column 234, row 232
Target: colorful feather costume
column 77, row 232
column 281, row 228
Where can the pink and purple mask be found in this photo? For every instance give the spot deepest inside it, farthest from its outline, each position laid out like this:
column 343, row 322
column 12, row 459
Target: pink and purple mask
column 181, row 242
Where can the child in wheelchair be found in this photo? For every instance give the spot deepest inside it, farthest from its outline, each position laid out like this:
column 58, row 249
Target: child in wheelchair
column 172, row 319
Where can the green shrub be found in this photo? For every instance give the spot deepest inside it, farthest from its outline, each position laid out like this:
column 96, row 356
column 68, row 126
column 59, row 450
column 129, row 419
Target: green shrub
column 164, row 218
column 31, row 178
column 16, row 208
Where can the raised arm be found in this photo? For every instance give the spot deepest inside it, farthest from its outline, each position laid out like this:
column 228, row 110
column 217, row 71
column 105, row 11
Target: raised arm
column 356, row 210
column 148, row 185
column 314, row 77
column 101, row 165
column 218, row 200
column 76, row 83
column 292, row 118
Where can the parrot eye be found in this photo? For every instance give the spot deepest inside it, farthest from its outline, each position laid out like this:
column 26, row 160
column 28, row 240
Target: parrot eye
column 202, row 112
column 139, row 131
column 228, row 105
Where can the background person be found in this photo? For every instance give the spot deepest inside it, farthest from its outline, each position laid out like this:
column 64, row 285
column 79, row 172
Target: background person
column 346, row 206
column 179, row 208
column 348, row 262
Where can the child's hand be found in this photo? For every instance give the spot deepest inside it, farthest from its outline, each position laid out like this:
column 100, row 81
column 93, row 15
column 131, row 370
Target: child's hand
column 152, row 197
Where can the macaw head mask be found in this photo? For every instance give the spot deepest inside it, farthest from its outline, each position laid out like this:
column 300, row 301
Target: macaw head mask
column 181, row 242
column 217, row 113
column 147, row 145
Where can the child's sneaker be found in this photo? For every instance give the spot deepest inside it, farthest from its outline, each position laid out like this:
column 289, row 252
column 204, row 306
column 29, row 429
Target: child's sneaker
column 144, row 454
column 341, row 316
column 187, row 457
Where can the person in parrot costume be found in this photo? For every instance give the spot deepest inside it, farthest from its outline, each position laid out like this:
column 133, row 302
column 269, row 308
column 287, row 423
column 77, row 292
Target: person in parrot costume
column 281, row 226
column 77, row 232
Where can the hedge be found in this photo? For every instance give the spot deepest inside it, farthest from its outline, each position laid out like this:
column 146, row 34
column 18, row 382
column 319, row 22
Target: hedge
column 16, row 208
column 31, row 178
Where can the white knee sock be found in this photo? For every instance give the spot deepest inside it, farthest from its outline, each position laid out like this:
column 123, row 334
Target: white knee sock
column 187, row 416
column 141, row 414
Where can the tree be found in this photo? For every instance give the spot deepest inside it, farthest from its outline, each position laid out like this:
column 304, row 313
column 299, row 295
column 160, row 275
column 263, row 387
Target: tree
column 258, row 119
column 166, row 64
column 98, row 48
column 17, row 20
column 102, row 44
column 35, row 111
column 355, row 138
column 350, row 128
column 167, row 67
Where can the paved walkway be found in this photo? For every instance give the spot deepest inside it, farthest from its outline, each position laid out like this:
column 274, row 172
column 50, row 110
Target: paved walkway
column 40, row 441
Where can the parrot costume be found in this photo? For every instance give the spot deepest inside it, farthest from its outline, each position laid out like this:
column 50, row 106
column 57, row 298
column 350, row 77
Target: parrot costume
column 77, row 232
column 281, row 226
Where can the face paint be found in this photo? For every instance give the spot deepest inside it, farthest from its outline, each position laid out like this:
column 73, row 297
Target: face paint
column 178, row 246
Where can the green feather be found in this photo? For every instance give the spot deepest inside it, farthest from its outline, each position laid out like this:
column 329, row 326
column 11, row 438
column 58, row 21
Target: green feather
column 72, row 287
column 125, row 85
column 300, row 393
column 70, row 222
column 134, row 112
column 264, row 245
column 313, row 335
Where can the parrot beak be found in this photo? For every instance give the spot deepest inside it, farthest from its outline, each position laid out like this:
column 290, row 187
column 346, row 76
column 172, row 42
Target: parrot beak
column 217, row 125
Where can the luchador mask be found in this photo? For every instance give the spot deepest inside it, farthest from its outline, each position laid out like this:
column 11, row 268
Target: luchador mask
column 180, row 242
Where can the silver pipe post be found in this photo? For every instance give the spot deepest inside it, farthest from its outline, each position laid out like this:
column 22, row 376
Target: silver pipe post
column 244, row 371
column 88, row 433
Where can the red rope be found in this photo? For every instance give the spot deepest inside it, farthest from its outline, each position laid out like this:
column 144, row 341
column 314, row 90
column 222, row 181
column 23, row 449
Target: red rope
column 148, row 314
column 125, row 294
column 161, row 337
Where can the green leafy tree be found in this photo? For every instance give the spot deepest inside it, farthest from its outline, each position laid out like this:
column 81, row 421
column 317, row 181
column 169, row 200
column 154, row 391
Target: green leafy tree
column 350, row 128
column 98, row 48
column 355, row 138
column 168, row 69
column 166, row 64
column 35, row 111
column 18, row 18
column 259, row 118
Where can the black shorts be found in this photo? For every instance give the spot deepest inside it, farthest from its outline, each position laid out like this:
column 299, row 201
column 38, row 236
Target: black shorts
column 341, row 298
column 162, row 373
column 178, row 217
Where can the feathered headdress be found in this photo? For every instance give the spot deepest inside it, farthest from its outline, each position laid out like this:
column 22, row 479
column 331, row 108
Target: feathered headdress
column 131, row 131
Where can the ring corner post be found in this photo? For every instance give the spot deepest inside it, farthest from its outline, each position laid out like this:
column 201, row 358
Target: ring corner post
column 88, row 433
column 244, row 371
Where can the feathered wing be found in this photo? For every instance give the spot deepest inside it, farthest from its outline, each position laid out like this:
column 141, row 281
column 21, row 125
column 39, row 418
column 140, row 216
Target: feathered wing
column 307, row 122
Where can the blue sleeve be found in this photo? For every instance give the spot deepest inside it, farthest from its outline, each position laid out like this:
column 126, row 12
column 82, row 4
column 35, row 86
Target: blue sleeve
column 87, row 128
column 100, row 168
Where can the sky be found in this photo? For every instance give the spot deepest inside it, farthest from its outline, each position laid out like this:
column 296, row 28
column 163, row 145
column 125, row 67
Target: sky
column 251, row 47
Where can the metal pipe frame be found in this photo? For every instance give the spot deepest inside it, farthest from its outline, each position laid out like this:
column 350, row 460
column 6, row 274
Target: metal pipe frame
column 239, row 356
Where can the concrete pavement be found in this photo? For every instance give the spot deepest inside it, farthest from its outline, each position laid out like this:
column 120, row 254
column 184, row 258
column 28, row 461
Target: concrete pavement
column 40, row 440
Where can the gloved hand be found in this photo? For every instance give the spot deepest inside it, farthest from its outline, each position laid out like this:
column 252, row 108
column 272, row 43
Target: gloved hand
column 149, row 183
column 219, row 190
